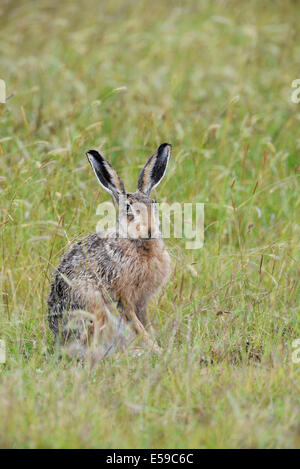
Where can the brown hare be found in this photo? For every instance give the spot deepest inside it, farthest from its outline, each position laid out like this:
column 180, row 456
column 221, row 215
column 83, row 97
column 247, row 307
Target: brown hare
column 105, row 281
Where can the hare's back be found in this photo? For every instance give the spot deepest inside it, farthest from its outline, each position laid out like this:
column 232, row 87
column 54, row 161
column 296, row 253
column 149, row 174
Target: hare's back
column 87, row 265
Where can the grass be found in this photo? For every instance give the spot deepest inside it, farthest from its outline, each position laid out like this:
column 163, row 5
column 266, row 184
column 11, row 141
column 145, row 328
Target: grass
column 214, row 79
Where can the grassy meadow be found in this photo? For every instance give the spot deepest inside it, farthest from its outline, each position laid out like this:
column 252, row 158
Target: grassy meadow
column 214, row 80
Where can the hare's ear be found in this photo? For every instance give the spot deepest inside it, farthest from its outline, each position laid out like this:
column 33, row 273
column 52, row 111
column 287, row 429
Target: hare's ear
column 154, row 169
column 106, row 174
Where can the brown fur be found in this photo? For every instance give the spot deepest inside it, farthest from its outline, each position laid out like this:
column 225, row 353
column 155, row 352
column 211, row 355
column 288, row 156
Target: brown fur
column 109, row 276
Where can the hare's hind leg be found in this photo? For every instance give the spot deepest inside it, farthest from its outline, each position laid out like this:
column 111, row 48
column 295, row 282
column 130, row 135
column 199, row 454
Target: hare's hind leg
column 140, row 329
column 83, row 321
column 143, row 315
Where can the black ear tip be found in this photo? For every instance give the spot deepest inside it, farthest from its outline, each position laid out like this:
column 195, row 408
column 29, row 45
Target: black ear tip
column 92, row 153
column 95, row 154
column 164, row 146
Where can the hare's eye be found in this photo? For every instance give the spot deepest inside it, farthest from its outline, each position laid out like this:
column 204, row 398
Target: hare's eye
column 128, row 208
